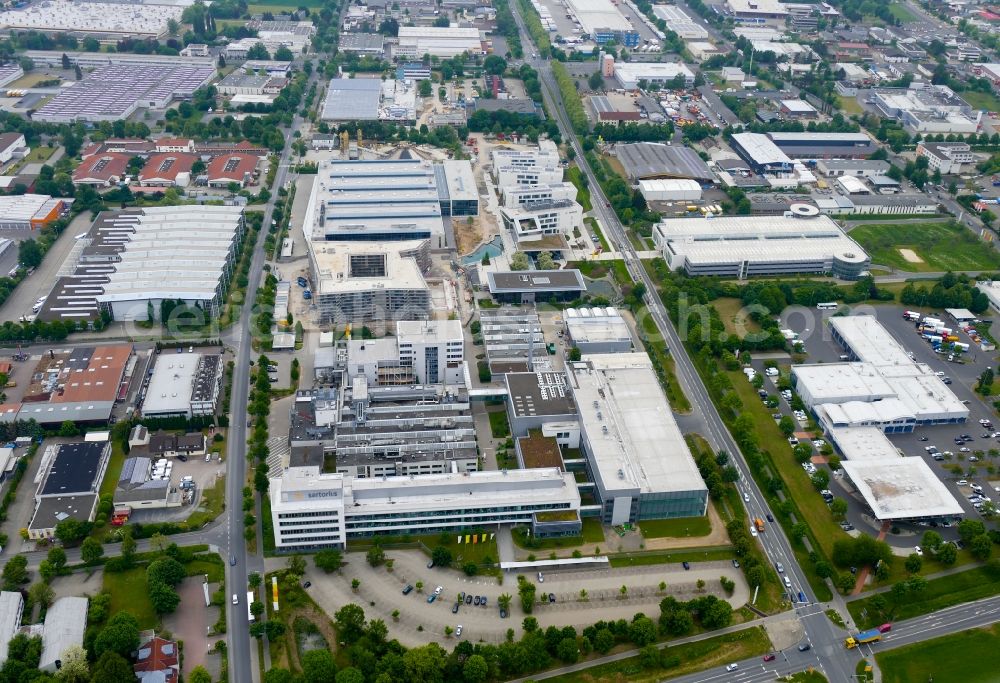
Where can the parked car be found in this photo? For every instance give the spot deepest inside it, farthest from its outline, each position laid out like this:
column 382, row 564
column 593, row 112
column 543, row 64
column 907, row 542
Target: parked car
column 686, row 565
column 454, row 608
column 407, row 589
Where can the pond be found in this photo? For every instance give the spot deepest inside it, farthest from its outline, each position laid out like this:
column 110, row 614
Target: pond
column 494, row 248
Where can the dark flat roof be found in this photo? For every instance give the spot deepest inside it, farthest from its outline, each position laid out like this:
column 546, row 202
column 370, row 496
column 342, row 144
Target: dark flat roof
column 539, row 393
column 536, row 281
column 644, row 160
column 74, row 469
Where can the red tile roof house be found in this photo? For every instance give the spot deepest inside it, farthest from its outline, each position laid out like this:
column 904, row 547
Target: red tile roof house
column 167, row 170
column 157, row 660
column 102, row 170
column 236, row 168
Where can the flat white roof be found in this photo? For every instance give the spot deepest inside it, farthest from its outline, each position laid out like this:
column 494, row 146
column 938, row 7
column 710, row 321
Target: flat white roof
column 840, row 382
column 798, row 106
column 169, row 388
column 869, row 340
column 669, row 185
column 679, row 22
column 333, row 261
column 857, row 413
column 864, row 443
column 429, row 331
column 438, row 32
column 595, row 14
column 721, row 239
column 21, row 207
column 901, row 488
column 595, row 325
column 761, row 148
column 762, row 7
column 11, row 604
column 636, row 71
column 633, row 437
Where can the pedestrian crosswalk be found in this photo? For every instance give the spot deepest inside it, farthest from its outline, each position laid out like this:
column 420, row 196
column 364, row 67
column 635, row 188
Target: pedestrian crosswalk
column 278, row 451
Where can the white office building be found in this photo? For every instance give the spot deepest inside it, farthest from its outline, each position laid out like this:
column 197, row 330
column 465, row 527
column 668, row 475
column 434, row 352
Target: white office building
column 598, row 330
column 519, row 196
column 946, row 157
column 635, row 451
column 311, row 510
column 444, row 42
column 433, row 348
column 879, row 386
column 527, row 167
column 745, row 246
column 183, row 384
column 534, row 222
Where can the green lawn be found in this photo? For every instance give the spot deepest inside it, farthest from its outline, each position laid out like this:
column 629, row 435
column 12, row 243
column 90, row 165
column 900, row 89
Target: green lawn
column 593, row 532
column 707, row 554
column 210, row 505
column 946, row 591
column 596, row 230
column 676, row 528
column 807, row 677
column 981, row 100
column 688, row 658
column 499, row 425
column 849, row 105
column 731, row 312
column 276, row 6
column 115, row 464
column 940, row 246
column 959, row 658
column 664, row 364
column 901, row 13
column 129, row 594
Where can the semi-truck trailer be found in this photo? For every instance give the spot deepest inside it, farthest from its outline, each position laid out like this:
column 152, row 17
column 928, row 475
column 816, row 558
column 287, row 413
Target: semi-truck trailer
column 759, row 523
column 872, row 635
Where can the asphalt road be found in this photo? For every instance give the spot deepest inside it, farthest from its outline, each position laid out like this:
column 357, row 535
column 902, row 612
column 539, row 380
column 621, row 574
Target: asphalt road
column 238, row 626
column 827, row 655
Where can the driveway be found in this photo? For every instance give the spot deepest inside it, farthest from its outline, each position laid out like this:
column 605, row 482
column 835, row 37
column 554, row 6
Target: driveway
column 380, row 594
column 190, row 624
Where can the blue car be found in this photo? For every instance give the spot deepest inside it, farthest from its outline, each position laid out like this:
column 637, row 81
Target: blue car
column 431, row 598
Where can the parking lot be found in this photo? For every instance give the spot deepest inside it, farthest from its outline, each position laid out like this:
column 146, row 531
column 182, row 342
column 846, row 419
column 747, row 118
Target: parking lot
column 380, row 593
column 204, row 475
column 957, row 465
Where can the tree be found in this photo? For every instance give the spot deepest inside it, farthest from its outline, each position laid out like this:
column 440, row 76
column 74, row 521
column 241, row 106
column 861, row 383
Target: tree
column 199, row 675
column 947, row 554
column 375, row 555
column 567, row 650
column 15, row 573
column 604, row 640
column 279, row 675
column 426, row 88
column 596, row 80
column 71, row 531
column 328, row 560
column 349, row 621
column 985, row 385
column 494, row 64
column 163, row 598
column 165, row 570
column 258, row 52
column 787, row 425
column 476, row 669
column 127, row 548
column 642, row 631
column 112, row 668
column 544, row 261
column 838, row 508
column 526, row 591
column 120, row 635
column 913, row 563
column 254, row 581
column 297, row 565
column 981, row 547
column 318, row 667
column 355, row 584
column 283, row 54
column 29, row 254
column 74, row 665
column 575, row 354
column 518, row 261
column 68, row 429
column 41, row 593
column 91, row 551
column 931, row 540
column 969, row 529
column 441, row 556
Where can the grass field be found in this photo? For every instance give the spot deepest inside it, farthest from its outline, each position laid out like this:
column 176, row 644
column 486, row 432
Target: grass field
column 981, row 100
column 689, row 658
column 849, row 105
column 959, row 658
column 499, row 425
column 736, row 323
column 676, row 528
column 902, row 13
column 657, row 350
column 129, row 593
column 706, row 554
column 946, row 591
column 940, row 246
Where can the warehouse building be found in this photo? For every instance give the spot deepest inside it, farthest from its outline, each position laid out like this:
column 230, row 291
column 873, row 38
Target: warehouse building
column 630, row 74
column 140, row 487
column 115, row 92
column 824, row 145
column 880, row 386
column 352, row 99
column 680, row 23
column 65, row 624
column 756, row 10
column 760, row 152
column 310, row 509
column 924, row 108
column 897, row 489
column 598, row 330
column 179, row 254
column 372, row 44
column 96, row 60
column 654, row 160
column 741, row 247
column 670, row 190
column 859, row 168
column 183, row 384
column 71, row 478
column 443, row 42
column 107, row 21
column 603, row 22
column 29, row 211
column 635, row 451
column 11, row 607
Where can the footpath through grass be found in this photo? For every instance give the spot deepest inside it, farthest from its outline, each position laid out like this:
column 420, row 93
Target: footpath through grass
column 677, row 660
column 939, row 246
column 942, row 592
column 962, row 657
